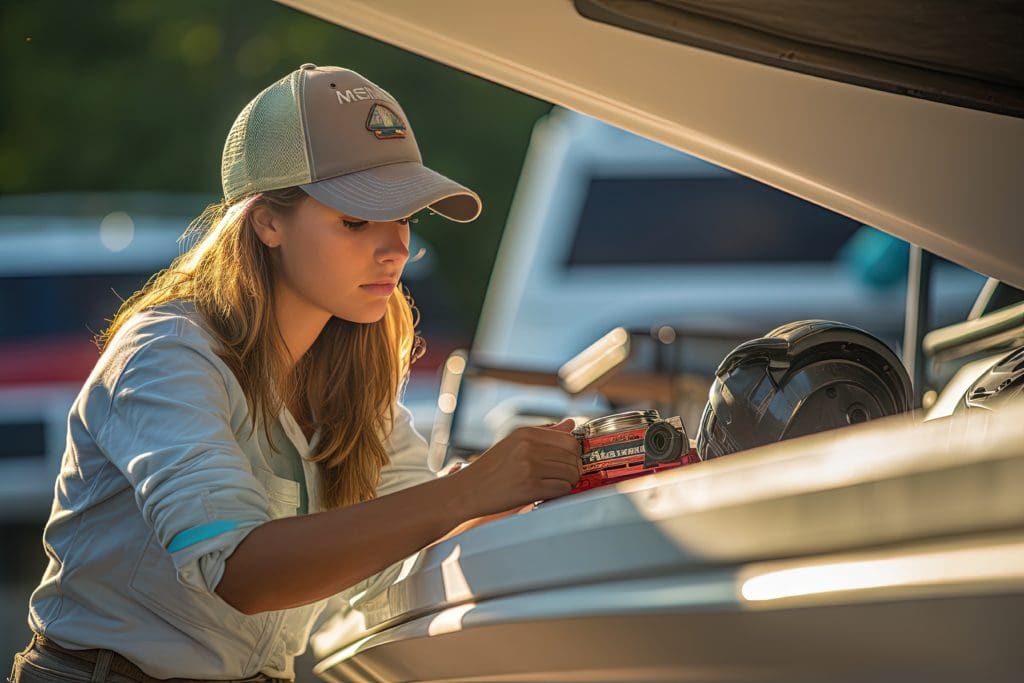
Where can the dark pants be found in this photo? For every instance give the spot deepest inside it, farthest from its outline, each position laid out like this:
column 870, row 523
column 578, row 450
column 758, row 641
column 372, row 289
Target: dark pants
column 43, row 661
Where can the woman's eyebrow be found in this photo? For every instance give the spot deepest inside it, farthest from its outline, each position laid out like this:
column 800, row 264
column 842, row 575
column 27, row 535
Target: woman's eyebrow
column 354, row 219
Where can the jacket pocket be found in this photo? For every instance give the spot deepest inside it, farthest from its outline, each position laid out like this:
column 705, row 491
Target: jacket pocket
column 282, row 493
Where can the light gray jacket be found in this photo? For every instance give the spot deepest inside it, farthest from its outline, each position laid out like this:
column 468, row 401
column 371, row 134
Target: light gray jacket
column 160, row 481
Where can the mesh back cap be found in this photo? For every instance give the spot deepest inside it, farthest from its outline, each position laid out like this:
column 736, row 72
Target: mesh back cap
column 342, row 139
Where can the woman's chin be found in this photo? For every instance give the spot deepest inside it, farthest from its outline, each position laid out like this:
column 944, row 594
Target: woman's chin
column 367, row 314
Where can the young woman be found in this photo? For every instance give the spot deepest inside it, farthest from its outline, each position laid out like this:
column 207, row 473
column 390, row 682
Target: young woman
column 240, row 452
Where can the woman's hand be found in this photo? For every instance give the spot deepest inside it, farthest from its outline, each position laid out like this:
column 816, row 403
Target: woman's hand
column 530, row 464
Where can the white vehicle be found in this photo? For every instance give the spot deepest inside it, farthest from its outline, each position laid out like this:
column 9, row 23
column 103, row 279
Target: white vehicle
column 892, row 550
column 610, row 229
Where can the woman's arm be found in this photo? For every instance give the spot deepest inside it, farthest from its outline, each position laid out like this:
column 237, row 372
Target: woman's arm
column 294, row 561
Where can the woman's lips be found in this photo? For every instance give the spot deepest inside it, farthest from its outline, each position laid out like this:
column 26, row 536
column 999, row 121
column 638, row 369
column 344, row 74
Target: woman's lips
column 380, row 290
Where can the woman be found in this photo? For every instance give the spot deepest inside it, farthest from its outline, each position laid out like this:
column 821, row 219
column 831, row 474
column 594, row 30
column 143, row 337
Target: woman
column 240, row 452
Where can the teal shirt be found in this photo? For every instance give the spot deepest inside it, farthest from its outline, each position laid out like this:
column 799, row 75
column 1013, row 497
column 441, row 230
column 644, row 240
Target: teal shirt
column 288, row 464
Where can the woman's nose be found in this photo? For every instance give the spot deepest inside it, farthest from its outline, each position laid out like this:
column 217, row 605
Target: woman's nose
column 395, row 245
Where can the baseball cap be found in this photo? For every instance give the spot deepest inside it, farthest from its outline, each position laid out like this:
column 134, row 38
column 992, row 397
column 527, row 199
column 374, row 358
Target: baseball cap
column 345, row 141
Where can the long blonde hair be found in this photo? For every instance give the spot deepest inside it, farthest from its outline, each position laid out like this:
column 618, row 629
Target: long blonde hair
column 345, row 384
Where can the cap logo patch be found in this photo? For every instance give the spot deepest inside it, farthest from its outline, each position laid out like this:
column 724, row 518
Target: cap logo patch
column 384, row 123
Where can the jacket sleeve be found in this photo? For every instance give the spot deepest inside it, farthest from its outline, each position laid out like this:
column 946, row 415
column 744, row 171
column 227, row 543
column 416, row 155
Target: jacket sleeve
column 168, row 430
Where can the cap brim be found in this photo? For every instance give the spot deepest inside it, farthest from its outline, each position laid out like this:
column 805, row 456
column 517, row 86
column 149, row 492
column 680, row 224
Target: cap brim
column 393, row 191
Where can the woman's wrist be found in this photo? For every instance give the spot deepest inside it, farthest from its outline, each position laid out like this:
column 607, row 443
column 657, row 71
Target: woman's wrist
column 459, row 501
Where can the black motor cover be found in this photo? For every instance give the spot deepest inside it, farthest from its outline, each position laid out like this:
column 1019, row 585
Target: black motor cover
column 803, row 377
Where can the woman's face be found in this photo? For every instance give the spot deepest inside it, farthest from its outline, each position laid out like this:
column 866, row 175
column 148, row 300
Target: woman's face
column 329, row 259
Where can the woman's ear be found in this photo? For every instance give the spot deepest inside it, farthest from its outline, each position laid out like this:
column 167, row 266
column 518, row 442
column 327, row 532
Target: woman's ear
column 267, row 225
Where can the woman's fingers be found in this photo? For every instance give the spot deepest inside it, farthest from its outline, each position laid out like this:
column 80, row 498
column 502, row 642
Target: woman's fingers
column 562, row 441
column 552, row 488
column 561, row 469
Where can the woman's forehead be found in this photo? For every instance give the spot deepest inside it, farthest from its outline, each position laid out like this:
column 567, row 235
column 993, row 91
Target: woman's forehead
column 321, row 208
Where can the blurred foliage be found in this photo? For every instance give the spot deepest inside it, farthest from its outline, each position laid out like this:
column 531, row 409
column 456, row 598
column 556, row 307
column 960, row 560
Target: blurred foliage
column 139, row 95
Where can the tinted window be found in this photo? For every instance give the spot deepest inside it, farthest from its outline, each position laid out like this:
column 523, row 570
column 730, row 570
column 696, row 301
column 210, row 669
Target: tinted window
column 62, row 305
column 702, row 220
column 21, row 439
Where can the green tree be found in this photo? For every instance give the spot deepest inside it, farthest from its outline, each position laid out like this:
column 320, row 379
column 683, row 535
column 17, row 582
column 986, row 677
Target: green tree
column 139, row 95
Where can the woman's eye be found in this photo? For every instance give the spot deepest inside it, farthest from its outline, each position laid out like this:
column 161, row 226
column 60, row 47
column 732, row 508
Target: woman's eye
column 356, row 225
